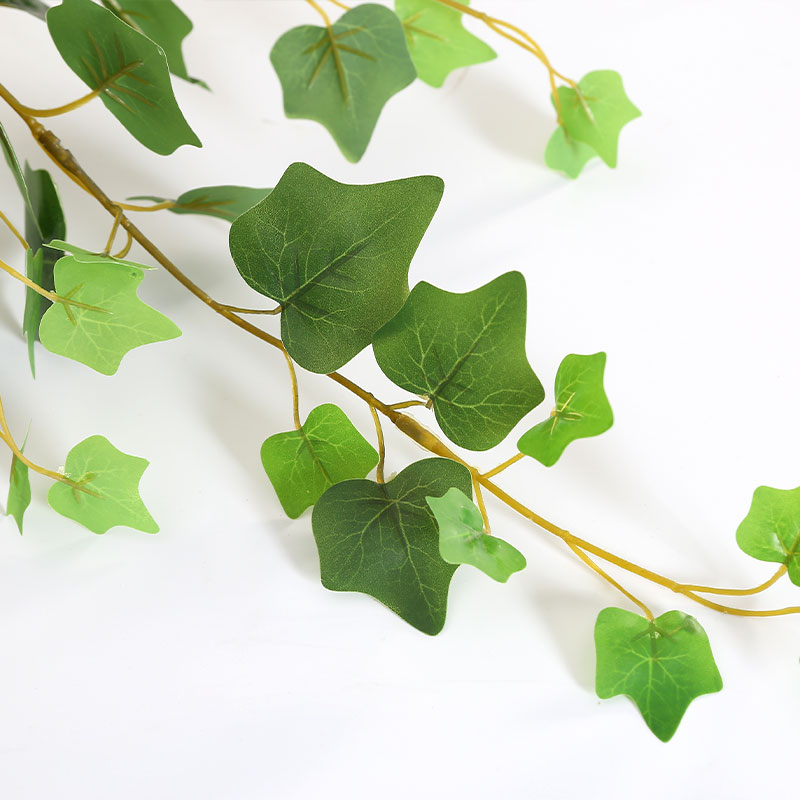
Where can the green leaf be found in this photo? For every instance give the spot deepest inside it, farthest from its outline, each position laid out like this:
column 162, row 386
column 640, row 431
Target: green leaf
column 462, row 539
column 582, row 409
column 771, row 529
column 35, row 7
column 16, row 170
column 334, row 256
column 661, row 665
column 597, row 113
column 381, row 539
column 326, row 450
column 437, row 40
column 466, row 354
column 19, row 491
column 344, row 76
column 164, row 23
column 111, row 479
column 34, row 270
column 225, row 202
column 100, row 339
column 567, row 155
column 129, row 71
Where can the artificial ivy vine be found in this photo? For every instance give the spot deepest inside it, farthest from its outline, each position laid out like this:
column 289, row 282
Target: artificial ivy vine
column 333, row 259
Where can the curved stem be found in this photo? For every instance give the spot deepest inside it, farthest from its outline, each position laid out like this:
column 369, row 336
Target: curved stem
column 12, row 228
column 113, row 234
column 779, row 573
column 498, row 469
column 237, row 310
column 481, row 505
column 408, row 404
column 295, row 392
column 381, row 446
column 155, row 207
column 125, row 250
column 321, row 11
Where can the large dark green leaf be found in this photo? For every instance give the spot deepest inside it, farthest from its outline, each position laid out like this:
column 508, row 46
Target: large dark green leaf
column 335, row 257
column 465, row 353
column 127, row 69
column 382, row 540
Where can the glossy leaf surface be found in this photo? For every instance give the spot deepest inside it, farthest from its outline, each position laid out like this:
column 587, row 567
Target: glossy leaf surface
column 225, row 202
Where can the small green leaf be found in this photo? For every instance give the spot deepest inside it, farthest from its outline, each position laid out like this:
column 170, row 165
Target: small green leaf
column 334, row 256
column 661, row 665
column 100, row 339
column 566, row 154
column 466, row 354
column 35, row 7
column 438, row 41
column 597, row 113
column 164, row 23
column 19, row 491
column 771, row 529
column 381, row 539
column 344, row 76
column 34, row 269
column 225, row 202
column 128, row 70
column 111, row 479
column 326, row 450
column 462, row 539
column 582, row 410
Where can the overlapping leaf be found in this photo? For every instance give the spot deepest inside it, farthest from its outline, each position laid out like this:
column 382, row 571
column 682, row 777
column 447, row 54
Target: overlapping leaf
column 463, row 540
column 382, row 540
column 128, row 71
column 334, row 256
column 582, row 409
column 771, row 529
column 343, row 76
column 567, row 155
column 225, row 202
column 111, row 482
column 100, row 338
column 438, row 41
column 466, row 354
column 661, row 665
column 326, row 450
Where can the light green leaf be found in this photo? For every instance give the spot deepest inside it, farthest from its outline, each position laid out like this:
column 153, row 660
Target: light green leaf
column 19, row 491
column 596, row 114
column 34, row 269
column 344, row 76
column 566, row 154
column 438, row 41
column 771, row 529
column 466, row 354
column 334, row 256
column 90, row 257
column 111, row 479
column 128, row 70
column 326, row 450
column 462, row 539
column 381, row 539
column 100, row 339
column 35, row 7
column 661, row 665
column 164, row 23
column 225, row 202
column 582, row 409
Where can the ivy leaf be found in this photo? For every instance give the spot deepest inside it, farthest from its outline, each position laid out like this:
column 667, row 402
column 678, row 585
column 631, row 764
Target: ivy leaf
column 582, row 410
column 343, row 76
column 462, row 539
column 661, row 665
column 128, row 70
column 597, row 114
column 438, row 41
column 225, row 202
column 100, row 338
column 771, row 529
column 164, row 23
column 566, row 154
column 334, row 256
column 326, row 450
column 111, row 479
column 381, row 539
column 35, row 7
column 19, row 491
column 466, row 354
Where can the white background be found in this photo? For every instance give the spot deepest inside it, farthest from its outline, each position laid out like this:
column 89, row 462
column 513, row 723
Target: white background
column 208, row 662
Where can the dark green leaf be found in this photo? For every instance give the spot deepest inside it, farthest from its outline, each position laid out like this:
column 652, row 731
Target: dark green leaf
column 225, row 202
column 326, row 450
column 16, row 170
column 462, row 539
column 344, row 76
column 334, row 256
column 34, row 270
column 582, row 409
column 566, row 154
column 661, row 665
column 19, row 491
column 111, row 479
column 466, row 354
column 129, row 71
column 382, row 540
column 35, row 7
column 771, row 529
